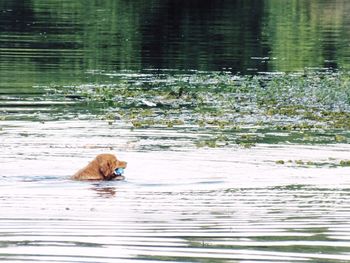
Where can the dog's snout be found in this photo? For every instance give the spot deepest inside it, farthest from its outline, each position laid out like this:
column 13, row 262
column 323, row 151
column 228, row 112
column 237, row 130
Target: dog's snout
column 122, row 164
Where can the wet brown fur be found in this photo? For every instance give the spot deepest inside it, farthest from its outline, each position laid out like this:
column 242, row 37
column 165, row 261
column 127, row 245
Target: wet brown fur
column 100, row 168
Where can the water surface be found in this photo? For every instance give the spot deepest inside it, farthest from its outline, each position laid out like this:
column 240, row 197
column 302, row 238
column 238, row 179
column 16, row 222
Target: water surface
column 222, row 167
column 189, row 205
column 59, row 41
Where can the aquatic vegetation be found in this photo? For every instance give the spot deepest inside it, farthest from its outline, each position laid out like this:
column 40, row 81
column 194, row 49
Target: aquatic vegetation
column 344, row 163
column 331, row 162
column 340, row 138
column 309, row 107
column 213, row 142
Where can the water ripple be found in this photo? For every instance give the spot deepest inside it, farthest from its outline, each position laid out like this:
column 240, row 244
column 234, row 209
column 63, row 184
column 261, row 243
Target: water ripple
column 203, row 205
column 265, row 224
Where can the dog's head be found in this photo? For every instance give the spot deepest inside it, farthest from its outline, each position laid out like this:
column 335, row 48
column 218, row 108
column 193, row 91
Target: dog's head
column 107, row 164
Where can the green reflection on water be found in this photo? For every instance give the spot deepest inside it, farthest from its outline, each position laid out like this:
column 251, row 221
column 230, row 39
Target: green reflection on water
column 59, row 41
column 307, row 34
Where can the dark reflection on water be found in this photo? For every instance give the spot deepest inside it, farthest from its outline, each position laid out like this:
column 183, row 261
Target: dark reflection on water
column 58, row 41
column 105, row 192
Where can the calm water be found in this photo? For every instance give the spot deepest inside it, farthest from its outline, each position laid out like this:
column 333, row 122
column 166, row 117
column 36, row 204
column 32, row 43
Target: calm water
column 220, row 205
column 180, row 203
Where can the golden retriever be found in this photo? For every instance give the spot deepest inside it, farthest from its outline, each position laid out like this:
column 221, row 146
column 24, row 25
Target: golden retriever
column 101, row 168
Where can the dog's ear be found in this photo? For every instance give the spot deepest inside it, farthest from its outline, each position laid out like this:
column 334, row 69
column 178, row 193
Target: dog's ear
column 106, row 168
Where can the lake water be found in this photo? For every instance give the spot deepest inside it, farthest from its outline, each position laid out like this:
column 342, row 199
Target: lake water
column 214, row 173
column 215, row 205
